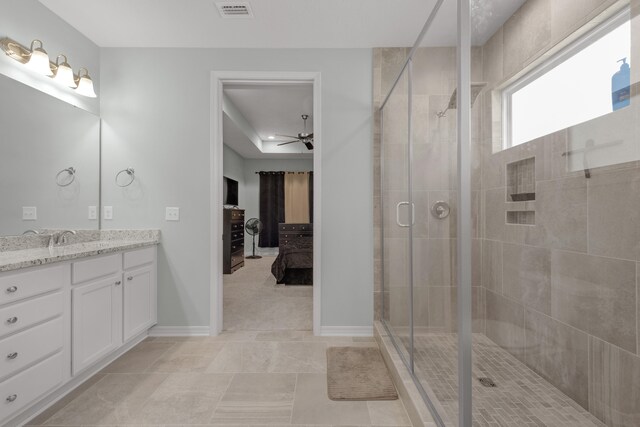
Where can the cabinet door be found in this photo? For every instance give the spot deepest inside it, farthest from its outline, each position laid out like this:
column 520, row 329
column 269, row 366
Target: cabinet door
column 97, row 321
column 139, row 300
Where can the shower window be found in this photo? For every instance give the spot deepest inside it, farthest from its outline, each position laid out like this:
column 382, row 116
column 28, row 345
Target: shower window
column 585, row 80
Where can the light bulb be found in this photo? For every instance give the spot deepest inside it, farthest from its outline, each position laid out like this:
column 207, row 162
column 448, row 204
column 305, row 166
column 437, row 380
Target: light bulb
column 64, row 73
column 39, row 60
column 85, row 84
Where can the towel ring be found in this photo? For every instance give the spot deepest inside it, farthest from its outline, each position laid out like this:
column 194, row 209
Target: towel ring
column 71, row 171
column 128, row 171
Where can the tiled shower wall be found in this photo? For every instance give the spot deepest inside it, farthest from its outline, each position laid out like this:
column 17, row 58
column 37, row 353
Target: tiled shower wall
column 560, row 295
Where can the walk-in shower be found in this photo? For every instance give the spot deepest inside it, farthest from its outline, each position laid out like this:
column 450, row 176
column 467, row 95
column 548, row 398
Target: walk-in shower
column 520, row 305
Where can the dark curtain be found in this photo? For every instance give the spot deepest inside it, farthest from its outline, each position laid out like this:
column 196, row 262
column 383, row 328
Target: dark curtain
column 311, row 197
column 271, row 208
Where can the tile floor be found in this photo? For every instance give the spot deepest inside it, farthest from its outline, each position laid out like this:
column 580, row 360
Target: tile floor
column 521, row 398
column 238, row 378
column 253, row 300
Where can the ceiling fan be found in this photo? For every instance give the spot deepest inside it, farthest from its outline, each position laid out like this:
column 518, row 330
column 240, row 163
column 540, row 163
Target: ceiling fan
column 304, row 137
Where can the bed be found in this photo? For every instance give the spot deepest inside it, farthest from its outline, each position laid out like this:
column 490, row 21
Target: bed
column 294, row 263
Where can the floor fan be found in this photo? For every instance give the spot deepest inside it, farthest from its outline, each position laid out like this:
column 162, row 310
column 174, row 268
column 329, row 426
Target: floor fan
column 253, row 227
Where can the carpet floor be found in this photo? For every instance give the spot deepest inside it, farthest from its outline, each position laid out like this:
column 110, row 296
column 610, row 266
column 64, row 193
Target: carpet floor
column 254, row 302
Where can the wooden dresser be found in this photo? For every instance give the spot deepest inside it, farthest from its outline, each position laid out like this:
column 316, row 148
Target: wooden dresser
column 295, row 235
column 233, row 240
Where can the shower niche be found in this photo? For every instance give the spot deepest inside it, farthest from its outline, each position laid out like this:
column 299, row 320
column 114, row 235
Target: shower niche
column 521, row 189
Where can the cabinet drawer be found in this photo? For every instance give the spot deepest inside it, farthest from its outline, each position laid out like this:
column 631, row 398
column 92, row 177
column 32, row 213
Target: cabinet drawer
column 237, row 235
column 296, row 227
column 98, row 267
column 236, row 246
column 18, row 392
column 237, row 259
column 237, row 267
column 24, row 348
column 235, row 226
column 298, row 234
column 237, row 215
column 26, row 284
column 140, row 257
column 27, row 313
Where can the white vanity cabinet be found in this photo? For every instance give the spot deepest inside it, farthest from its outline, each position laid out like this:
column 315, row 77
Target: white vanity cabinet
column 34, row 335
column 61, row 323
column 97, row 320
column 139, row 283
column 113, row 300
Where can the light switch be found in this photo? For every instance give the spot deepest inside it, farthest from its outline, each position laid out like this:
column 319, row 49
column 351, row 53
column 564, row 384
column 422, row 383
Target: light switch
column 108, row 212
column 172, row 214
column 93, row 212
column 29, row 213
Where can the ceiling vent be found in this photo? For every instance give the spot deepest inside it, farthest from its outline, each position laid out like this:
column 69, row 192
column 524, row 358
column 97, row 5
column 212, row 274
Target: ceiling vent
column 234, row 9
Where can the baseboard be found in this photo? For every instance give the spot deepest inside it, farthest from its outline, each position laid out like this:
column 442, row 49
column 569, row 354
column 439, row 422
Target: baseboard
column 346, row 331
column 178, row 331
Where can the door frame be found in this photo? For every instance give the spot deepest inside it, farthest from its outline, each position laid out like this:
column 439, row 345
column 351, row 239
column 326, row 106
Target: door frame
column 218, row 79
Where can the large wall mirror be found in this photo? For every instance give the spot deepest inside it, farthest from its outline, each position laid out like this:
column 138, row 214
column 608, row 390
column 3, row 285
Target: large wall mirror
column 49, row 162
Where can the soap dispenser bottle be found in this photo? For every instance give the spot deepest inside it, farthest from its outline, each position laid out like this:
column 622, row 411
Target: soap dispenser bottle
column 621, row 86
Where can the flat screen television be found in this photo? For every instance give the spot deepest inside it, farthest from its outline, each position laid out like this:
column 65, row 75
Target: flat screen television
column 230, row 192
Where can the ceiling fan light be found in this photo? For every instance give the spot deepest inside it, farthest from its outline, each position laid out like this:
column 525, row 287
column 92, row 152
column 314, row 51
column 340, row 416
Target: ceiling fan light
column 64, row 73
column 39, row 60
column 85, row 84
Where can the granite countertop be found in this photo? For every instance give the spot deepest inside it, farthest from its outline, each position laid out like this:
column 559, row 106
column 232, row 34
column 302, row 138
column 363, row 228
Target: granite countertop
column 33, row 256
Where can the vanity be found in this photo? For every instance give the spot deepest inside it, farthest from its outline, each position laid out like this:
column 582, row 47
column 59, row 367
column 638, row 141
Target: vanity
column 74, row 294
column 68, row 312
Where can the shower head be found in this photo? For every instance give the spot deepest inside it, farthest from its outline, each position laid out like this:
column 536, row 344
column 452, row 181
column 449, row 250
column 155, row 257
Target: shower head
column 453, row 101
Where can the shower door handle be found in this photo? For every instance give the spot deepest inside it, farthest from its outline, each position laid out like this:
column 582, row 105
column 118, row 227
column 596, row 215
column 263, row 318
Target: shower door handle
column 413, row 214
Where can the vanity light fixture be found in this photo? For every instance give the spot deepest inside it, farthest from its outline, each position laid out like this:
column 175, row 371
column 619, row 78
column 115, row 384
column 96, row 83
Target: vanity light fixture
column 64, row 73
column 37, row 59
column 85, row 84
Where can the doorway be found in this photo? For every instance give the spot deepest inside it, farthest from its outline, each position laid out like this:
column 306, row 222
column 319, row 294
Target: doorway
column 261, row 293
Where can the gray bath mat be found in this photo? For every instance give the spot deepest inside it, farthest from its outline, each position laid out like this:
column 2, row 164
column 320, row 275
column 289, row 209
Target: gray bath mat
column 358, row 373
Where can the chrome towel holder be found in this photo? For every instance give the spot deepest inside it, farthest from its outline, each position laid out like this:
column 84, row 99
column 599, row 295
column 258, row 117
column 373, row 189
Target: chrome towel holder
column 71, row 171
column 132, row 177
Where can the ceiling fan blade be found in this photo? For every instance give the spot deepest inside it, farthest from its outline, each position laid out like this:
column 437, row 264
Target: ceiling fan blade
column 310, row 136
column 287, row 136
column 288, row 142
column 309, row 145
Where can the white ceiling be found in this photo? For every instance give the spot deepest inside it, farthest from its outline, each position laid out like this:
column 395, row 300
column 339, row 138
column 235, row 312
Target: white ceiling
column 269, row 109
column 273, row 108
column 276, row 23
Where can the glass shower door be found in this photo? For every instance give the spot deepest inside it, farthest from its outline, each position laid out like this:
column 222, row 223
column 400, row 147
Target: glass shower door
column 396, row 209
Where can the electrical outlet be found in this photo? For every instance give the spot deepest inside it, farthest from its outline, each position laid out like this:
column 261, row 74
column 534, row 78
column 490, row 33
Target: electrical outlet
column 172, row 214
column 93, row 212
column 29, row 213
column 108, row 212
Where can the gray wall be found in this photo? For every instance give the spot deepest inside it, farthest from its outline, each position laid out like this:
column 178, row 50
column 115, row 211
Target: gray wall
column 156, row 117
column 26, row 20
column 252, row 183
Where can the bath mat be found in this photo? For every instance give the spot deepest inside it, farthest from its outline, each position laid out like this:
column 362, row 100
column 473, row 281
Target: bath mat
column 358, row 373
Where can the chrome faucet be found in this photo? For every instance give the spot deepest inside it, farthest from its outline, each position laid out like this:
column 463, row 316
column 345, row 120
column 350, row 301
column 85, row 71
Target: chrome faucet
column 60, row 237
